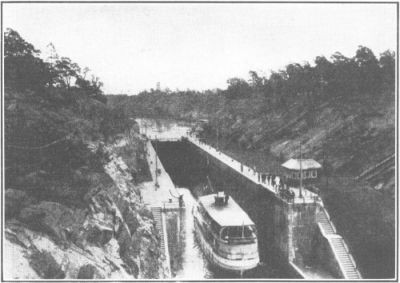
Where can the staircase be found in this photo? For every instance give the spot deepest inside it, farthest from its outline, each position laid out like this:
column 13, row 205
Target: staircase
column 161, row 227
column 327, row 225
column 158, row 219
column 344, row 258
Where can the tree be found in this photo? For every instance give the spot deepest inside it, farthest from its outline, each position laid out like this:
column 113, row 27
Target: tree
column 23, row 69
column 84, row 72
column 323, row 72
column 277, row 81
column 81, row 80
column 52, row 57
column 237, row 88
column 67, row 71
column 295, row 76
column 369, row 71
column 256, row 82
column 344, row 76
column 387, row 64
column 16, row 46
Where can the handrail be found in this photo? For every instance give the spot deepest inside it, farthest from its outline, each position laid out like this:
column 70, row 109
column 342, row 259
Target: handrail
column 166, row 250
column 322, row 230
column 342, row 267
column 328, row 217
column 353, row 261
column 340, row 263
column 330, row 221
column 342, row 270
column 333, row 226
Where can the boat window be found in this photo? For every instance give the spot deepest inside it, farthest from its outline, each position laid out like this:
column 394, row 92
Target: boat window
column 224, row 233
column 215, row 227
column 238, row 232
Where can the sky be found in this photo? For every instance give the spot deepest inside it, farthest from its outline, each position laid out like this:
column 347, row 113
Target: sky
column 132, row 46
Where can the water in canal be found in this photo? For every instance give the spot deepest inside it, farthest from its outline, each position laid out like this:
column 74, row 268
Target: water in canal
column 186, row 258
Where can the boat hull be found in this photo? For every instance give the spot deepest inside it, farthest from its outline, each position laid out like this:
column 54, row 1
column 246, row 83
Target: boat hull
column 217, row 260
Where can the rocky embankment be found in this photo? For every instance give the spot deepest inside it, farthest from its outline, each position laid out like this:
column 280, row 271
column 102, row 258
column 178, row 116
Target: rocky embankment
column 112, row 236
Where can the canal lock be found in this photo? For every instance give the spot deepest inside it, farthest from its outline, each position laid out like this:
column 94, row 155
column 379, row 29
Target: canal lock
column 189, row 169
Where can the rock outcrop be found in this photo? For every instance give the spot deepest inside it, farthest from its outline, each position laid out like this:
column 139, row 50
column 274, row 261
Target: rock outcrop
column 112, row 236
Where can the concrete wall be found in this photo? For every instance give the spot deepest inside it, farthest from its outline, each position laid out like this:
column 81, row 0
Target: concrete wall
column 269, row 213
column 176, row 238
column 286, row 232
column 323, row 255
column 304, row 227
column 294, row 231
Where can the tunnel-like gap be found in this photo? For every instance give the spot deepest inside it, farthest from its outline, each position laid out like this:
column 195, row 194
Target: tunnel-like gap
column 185, row 167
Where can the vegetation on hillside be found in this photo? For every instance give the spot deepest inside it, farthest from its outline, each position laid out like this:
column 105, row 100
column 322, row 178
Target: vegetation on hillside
column 65, row 185
column 342, row 112
column 187, row 105
column 334, row 107
column 51, row 111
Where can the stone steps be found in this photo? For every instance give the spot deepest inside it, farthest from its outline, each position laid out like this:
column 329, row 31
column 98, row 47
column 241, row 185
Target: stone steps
column 157, row 218
column 328, row 228
column 325, row 223
column 339, row 247
column 348, row 267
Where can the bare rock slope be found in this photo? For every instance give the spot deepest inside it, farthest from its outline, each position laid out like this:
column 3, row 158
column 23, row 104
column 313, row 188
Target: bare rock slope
column 112, row 236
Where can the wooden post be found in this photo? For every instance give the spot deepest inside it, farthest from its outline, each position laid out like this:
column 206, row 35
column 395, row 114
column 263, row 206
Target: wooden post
column 157, row 185
column 217, row 138
column 301, row 173
column 325, row 164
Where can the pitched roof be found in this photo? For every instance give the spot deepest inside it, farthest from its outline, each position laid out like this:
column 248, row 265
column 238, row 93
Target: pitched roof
column 230, row 214
column 294, row 164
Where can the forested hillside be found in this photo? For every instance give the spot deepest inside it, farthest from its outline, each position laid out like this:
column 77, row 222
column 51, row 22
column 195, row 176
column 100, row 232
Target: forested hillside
column 340, row 110
column 51, row 111
column 66, row 216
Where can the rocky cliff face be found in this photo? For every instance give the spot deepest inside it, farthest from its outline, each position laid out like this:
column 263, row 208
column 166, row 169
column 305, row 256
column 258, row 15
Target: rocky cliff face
column 111, row 236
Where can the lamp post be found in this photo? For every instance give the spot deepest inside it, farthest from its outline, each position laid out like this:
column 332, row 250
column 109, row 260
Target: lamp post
column 156, row 173
column 301, row 173
column 217, row 137
column 325, row 164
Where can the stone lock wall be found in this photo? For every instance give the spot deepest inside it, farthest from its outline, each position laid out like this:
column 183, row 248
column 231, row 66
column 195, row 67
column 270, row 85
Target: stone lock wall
column 302, row 221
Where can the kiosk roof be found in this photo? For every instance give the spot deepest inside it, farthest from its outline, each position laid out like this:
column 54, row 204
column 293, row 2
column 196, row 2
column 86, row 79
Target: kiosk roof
column 294, row 164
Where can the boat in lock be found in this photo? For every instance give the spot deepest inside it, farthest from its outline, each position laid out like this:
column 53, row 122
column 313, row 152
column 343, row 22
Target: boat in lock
column 225, row 233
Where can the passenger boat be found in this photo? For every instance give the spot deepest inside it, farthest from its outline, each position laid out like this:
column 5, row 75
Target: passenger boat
column 225, row 233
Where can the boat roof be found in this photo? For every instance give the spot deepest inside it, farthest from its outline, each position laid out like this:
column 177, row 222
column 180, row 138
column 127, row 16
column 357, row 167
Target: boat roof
column 294, row 164
column 230, row 214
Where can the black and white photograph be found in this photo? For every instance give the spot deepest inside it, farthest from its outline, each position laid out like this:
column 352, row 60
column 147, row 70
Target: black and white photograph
column 199, row 141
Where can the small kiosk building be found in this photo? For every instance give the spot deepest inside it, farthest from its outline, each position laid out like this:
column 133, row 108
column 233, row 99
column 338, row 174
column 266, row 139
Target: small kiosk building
column 309, row 169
